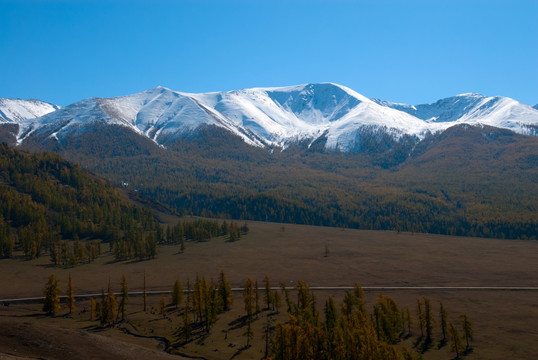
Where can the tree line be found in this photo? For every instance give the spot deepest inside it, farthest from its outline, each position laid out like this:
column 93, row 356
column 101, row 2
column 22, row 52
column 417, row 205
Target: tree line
column 334, row 331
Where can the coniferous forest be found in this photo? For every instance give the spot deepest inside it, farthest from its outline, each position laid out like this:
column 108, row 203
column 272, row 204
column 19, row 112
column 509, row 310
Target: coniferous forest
column 49, row 205
column 465, row 182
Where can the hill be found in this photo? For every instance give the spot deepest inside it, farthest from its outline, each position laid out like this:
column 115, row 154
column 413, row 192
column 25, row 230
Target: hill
column 44, row 199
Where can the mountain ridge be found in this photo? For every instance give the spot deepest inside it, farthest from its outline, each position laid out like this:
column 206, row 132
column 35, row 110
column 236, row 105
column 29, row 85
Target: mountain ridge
column 195, row 153
column 273, row 116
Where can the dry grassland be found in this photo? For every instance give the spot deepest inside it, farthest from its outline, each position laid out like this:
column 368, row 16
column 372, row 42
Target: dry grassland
column 504, row 321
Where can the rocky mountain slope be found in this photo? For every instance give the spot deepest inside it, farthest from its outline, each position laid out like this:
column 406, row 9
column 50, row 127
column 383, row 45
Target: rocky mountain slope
column 268, row 117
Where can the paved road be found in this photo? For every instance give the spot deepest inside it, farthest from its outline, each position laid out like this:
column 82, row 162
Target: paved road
column 30, row 300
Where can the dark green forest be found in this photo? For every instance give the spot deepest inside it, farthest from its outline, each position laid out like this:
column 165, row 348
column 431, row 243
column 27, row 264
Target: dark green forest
column 467, row 181
column 45, row 200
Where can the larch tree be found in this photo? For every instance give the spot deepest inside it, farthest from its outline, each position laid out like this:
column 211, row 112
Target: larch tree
column 467, row 330
column 428, row 322
column 443, row 315
column 249, row 302
column 257, row 298
column 331, row 315
column 109, row 308
column 408, row 321
column 93, row 308
column 225, row 292
column 289, row 303
column 267, row 330
column 420, row 316
column 455, row 339
column 124, row 297
column 70, row 295
column 51, row 302
column 267, row 296
column 177, row 294
column 249, row 297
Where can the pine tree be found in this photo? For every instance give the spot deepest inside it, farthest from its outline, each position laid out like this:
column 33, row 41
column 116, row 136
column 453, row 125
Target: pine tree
column 455, row 339
column 249, row 302
column 408, row 321
column 248, row 332
column 124, row 297
column 70, row 295
column 257, row 297
column 249, row 297
column 225, row 292
column 109, row 308
column 51, row 303
column 331, row 315
column 177, row 294
column 420, row 316
column 267, row 294
column 93, row 308
column 443, row 315
column 467, row 330
column 428, row 321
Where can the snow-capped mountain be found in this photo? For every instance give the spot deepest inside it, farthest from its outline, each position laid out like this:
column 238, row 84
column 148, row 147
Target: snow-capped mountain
column 473, row 109
column 159, row 114
column 284, row 115
column 17, row 110
column 268, row 116
column 535, row 106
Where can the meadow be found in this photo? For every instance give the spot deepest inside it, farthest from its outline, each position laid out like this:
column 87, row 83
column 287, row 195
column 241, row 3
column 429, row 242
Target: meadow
column 503, row 321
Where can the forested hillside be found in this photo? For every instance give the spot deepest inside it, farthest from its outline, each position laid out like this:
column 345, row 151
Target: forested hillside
column 45, row 199
column 475, row 181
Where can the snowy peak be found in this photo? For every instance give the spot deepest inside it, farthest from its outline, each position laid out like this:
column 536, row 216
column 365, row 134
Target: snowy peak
column 17, row 110
column 272, row 116
column 473, row 109
column 281, row 116
column 317, row 103
column 159, row 114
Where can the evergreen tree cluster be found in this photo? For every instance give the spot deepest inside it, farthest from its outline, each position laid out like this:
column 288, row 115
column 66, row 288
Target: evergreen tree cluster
column 200, row 230
column 203, row 303
column 72, row 253
column 135, row 244
column 44, row 199
column 345, row 331
column 349, row 332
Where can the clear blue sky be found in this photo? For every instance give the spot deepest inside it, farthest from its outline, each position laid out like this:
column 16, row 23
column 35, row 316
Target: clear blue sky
column 404, row 51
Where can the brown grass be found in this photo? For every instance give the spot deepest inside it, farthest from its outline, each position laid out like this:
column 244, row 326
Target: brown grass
column 504, row 321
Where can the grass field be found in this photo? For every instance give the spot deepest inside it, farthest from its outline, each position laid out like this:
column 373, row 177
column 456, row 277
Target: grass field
column 504, row 321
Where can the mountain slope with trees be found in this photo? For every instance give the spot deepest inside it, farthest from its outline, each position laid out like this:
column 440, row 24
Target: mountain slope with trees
column 317, row 154
column 477, row 181
column 45, row 199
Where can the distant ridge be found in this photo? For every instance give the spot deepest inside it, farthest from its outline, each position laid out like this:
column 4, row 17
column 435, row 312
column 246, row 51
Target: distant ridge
column 268, row 117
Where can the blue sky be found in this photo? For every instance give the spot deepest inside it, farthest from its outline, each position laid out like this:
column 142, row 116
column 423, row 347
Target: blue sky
column 403, row 51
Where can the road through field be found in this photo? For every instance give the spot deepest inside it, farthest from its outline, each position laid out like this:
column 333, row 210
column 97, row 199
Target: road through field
column 29, row 300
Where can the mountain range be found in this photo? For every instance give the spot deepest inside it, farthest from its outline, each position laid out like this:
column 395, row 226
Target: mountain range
column 318, row 154
column 266, row 117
